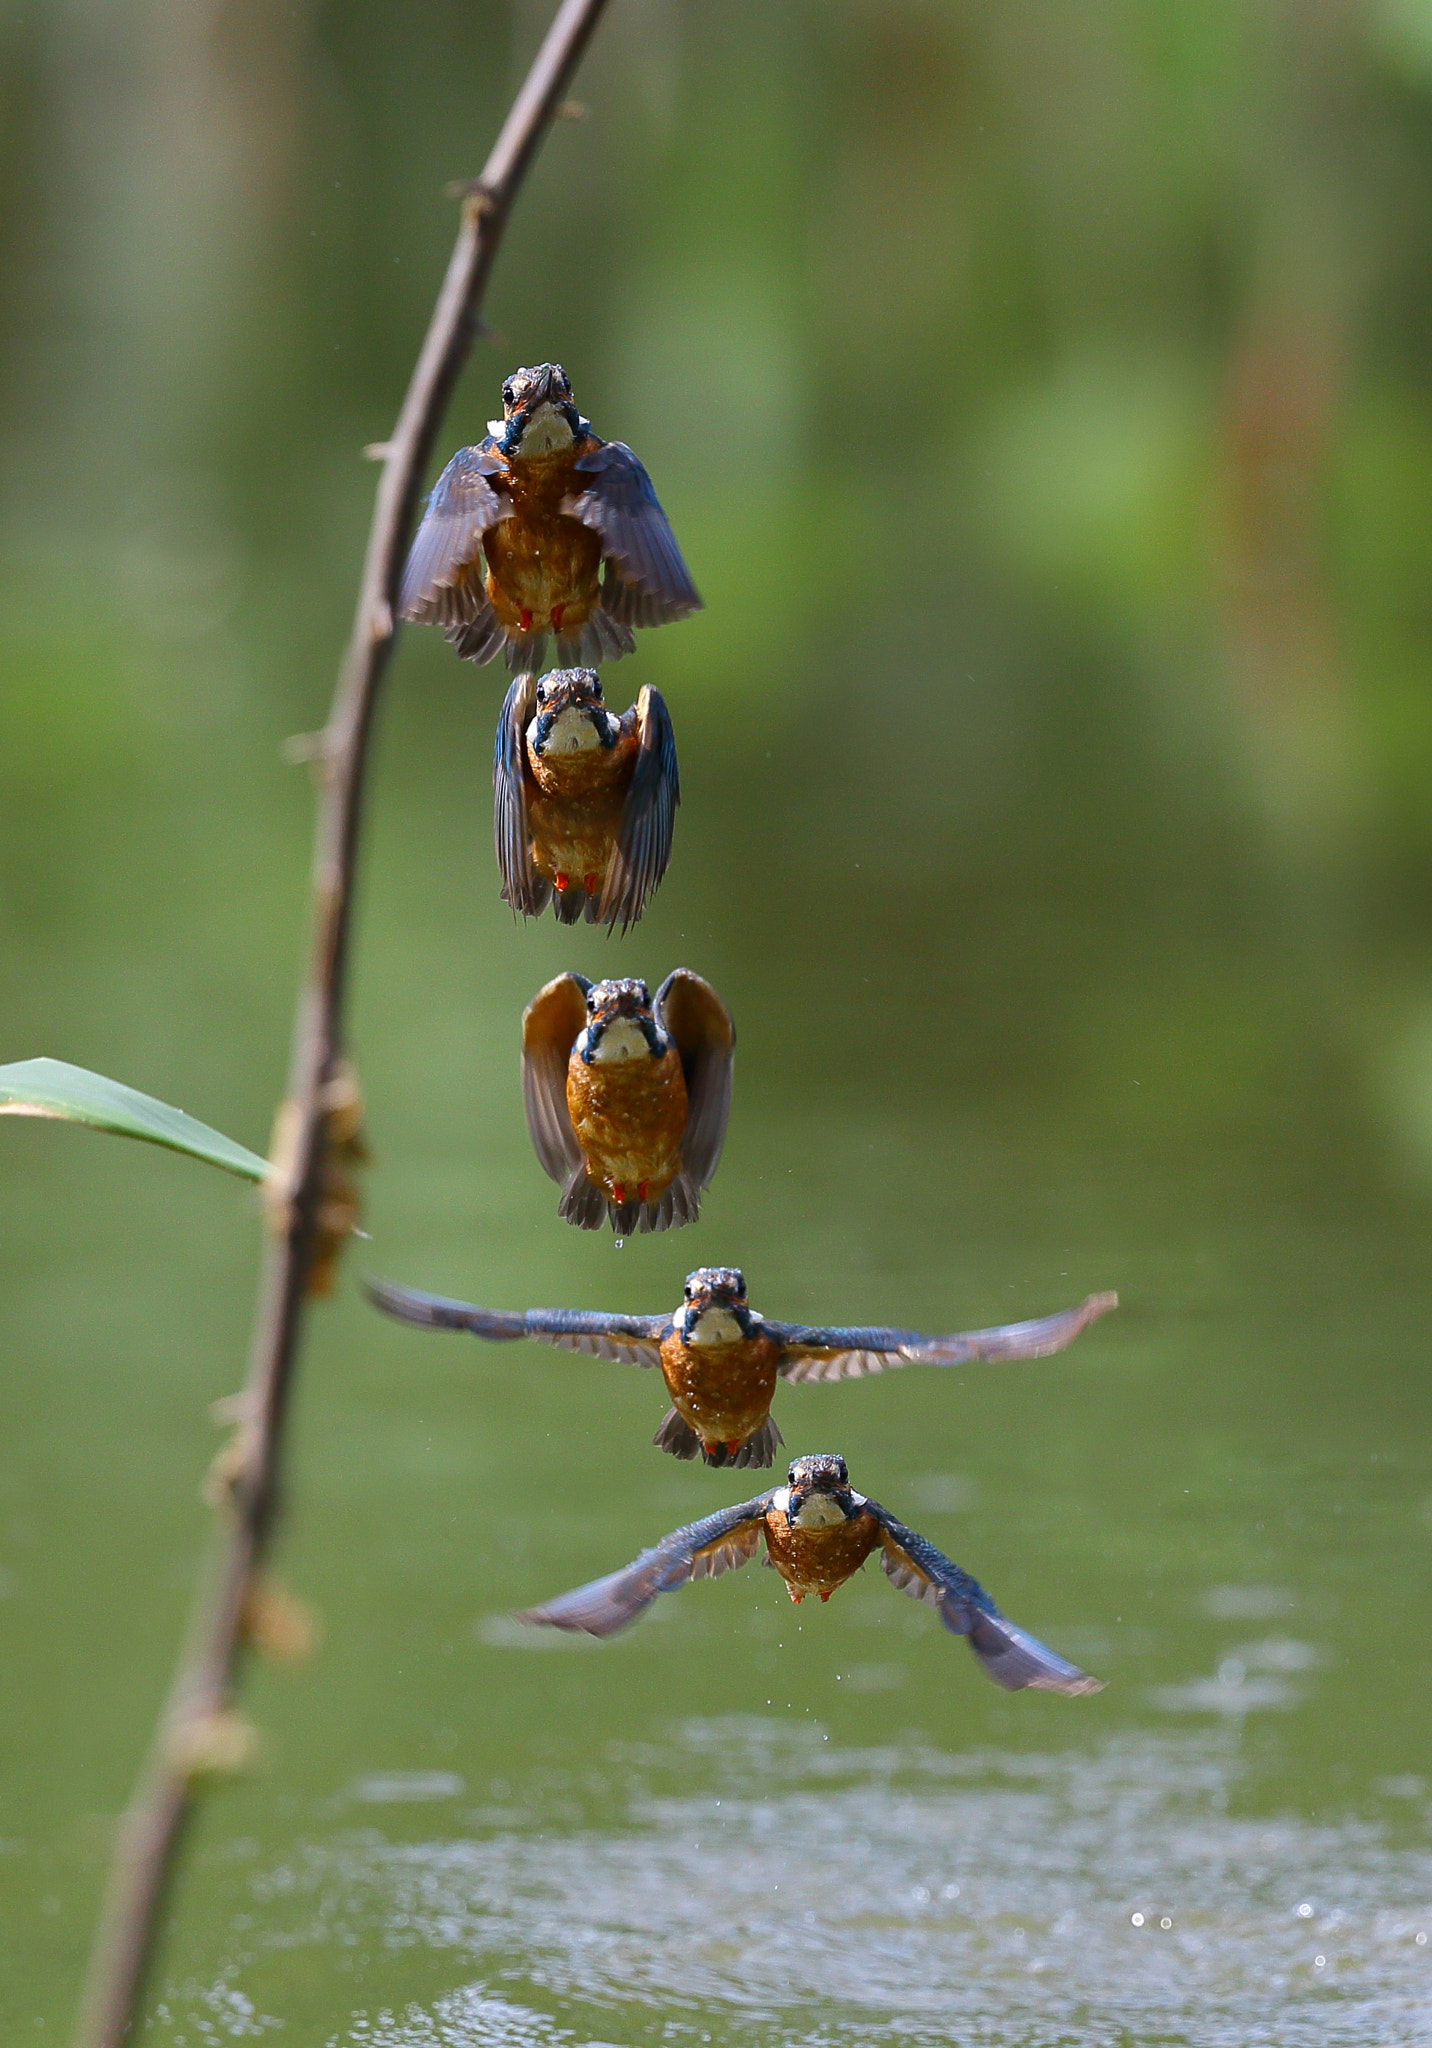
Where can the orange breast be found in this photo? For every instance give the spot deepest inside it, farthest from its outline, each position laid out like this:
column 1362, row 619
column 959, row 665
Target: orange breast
column 538, row 559
column 723, row 1390
column 819, row 1560
column 629, row 1116
column 575, row 812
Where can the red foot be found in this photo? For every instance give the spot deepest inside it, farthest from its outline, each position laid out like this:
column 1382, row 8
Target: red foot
column 560, row 881
column 557, row 611
column 641, row 1188
column 826, row 1596
column 618, row 1190
column 734, row 1443
column 589, row 883
column 797, row 1597
column 524, row 620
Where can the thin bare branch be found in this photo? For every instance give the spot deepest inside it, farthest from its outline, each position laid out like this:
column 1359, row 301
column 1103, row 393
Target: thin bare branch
column 199, row 1730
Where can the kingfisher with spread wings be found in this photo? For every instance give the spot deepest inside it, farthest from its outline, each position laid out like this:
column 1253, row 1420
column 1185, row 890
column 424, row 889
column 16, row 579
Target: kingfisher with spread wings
column 584, row 801
column 721, row 1361
column 544, row 530
column 628, row 1097
column 818, row 1531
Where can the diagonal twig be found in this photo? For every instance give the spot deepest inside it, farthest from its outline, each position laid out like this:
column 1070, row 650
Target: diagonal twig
column 196, row 1728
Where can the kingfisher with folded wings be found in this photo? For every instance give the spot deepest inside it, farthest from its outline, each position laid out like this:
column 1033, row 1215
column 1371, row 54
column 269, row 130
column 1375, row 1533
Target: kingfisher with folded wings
column 584, row 801
column 544, row 530
column 818, row 1531
column 722, row 1361
column 628, row 1097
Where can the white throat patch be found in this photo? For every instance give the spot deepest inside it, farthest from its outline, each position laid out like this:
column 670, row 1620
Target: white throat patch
column 623, row 1039
column 571, row 732
column 716, row 1326
column 819, row 1510
column 545, row 432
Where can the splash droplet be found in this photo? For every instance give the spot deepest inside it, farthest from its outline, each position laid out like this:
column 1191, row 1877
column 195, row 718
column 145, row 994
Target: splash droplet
column 618, row 1242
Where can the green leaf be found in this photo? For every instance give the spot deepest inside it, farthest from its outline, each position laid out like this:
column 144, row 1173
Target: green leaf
column 73, row 1095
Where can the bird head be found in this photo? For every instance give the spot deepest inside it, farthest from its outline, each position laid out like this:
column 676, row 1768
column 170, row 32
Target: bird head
column 714, row 1308
column 571, row 718
column 818, row 1491
column 538, row 415
column 619, row 1024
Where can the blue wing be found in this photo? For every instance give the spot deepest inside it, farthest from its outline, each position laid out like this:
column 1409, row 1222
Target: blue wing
column 442, row 582
column 718, row 1543
column 632, row 1340
column 648, row 816
column 848, row 1354
column 646, row 583
column 1012, row 1658
column 522, row 886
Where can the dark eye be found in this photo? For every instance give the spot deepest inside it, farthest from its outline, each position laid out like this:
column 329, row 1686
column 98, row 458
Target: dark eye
column 509, row 396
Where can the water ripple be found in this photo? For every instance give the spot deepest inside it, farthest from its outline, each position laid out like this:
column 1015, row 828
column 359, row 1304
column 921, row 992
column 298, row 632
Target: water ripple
column 1053, row 1901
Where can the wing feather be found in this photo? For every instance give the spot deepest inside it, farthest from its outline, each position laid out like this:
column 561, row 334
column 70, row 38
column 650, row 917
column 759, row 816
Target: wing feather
column 700, row 1024
column 1009, row 1654
column 846, row 1354
column 646, row 582
column 437, row 588
column 634, row 1340
column 702, row 1550
column 648, row 816
column 550, row 1025
column 522, row 886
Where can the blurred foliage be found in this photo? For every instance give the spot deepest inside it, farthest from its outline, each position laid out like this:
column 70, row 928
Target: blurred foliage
column 1043, row 398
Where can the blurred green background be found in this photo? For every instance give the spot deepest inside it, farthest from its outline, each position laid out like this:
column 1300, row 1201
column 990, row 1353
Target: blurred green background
column 1043, row 397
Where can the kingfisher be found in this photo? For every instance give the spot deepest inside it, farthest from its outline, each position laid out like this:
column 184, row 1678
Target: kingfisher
column 543, row 529
column 628, row 1098
column 721, row 1361
column 818, row 1531
column 585, row 801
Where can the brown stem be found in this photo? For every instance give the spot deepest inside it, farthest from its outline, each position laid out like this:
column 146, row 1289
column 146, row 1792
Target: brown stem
column 192, row 1730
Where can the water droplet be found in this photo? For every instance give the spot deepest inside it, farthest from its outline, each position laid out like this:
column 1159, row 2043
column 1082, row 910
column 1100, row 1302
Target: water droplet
column 1136, row 1919
column 1305, row 1912
column 1422, row 1941
column 618, row 1242
column 1165, row 1922
column 1320, row 1962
